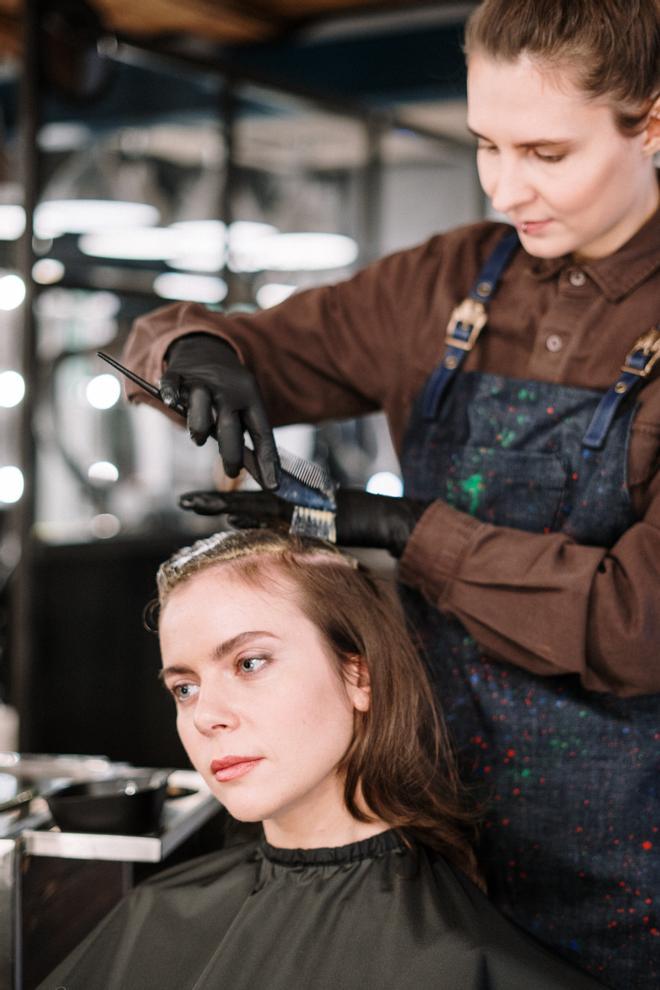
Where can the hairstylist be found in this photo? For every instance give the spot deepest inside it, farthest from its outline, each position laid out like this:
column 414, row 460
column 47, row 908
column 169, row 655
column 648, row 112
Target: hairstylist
column 533, row 575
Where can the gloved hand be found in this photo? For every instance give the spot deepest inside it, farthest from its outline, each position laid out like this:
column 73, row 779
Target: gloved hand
column 363, row 520
column 223, row 399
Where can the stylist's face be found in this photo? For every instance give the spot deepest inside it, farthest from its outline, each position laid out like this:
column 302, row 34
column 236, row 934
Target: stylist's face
column 261, row 709
column 554, row 161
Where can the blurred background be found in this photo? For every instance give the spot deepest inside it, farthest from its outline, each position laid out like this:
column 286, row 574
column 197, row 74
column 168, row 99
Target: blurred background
column 219, row 151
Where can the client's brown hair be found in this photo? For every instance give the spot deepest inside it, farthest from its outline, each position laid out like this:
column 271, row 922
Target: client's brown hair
column 400, row 759
column 613, row 46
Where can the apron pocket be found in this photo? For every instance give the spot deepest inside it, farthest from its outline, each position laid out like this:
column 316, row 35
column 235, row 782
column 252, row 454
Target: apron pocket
column 503, row 487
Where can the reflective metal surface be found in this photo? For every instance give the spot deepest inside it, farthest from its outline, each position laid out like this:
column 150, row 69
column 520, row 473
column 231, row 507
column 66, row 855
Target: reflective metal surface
column 181, row 817
column 45, row 873
column 10, row 954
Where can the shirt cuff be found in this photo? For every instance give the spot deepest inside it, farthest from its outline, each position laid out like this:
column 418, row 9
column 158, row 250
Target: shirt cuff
column 434, row 552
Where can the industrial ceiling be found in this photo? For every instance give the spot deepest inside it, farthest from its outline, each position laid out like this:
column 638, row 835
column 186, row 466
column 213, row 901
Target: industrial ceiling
column 224, row 22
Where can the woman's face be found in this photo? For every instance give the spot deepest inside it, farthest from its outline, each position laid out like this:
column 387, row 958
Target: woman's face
column 554, row 161
column 262, row 710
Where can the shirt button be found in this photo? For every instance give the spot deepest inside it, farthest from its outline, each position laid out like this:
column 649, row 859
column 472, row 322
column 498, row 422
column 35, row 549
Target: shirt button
column 554, row 343
column 576, row 277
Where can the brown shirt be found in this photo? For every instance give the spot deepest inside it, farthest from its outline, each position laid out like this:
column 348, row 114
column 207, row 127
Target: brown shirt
column 540, row 601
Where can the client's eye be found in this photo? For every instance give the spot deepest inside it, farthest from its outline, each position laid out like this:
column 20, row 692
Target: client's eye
column 183, row 692
column 250, row 665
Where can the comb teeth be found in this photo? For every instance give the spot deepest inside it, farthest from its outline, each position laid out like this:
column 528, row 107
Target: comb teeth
column 318, row 523
column 304, row 472
column 307, row 472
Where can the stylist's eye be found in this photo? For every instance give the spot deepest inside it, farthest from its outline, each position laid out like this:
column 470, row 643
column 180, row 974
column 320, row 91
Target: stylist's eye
column 549, row 158
column 183, row 692
column 250, row 665
column 486, row 147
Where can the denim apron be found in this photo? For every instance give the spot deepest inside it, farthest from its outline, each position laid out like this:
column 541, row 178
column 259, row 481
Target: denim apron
column 570, row 843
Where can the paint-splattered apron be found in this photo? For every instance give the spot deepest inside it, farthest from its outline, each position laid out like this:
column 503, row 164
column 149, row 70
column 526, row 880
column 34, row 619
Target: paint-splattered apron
column 570, row 847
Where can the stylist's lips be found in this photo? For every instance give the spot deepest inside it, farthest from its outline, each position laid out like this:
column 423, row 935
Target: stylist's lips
column 233, row 766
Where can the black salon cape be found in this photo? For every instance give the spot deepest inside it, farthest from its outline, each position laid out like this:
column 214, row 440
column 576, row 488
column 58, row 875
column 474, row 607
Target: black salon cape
column 372, row 915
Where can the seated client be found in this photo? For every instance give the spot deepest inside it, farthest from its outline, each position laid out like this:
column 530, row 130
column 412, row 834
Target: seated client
column 302, row 703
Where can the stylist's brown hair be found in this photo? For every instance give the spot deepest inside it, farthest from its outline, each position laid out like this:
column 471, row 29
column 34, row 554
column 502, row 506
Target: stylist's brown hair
column 612, row 46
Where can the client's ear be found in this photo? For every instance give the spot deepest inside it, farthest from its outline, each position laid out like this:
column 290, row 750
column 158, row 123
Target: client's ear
column 358, row 686
column 652, row 131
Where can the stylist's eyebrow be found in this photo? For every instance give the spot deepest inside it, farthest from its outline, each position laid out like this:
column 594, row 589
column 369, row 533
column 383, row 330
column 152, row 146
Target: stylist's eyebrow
column 221, row 650
column 522, row 144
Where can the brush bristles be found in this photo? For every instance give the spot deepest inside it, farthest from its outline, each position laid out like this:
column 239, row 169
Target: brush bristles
column 319, row 523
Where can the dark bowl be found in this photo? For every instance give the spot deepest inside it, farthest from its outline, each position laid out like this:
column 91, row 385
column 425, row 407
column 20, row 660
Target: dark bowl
column 127, row 805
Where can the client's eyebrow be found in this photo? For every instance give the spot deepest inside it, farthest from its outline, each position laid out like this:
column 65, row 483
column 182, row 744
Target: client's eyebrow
column 539, row 143
column 232, row 644
column 221, row 650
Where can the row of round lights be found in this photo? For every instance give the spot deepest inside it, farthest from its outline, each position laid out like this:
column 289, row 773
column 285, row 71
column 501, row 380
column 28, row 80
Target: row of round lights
column 129, row 231
column 12, row 391
column 102, row 392
column 52, row 219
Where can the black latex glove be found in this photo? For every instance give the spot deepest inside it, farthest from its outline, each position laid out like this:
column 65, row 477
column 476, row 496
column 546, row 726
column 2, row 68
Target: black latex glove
column 223, row 399
column 363, row 520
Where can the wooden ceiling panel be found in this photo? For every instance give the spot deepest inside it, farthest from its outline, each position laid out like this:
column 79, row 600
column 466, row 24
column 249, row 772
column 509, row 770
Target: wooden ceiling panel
column 211, row 19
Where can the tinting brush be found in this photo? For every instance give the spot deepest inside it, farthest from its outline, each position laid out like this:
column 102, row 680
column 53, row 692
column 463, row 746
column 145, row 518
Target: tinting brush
column 305, row 485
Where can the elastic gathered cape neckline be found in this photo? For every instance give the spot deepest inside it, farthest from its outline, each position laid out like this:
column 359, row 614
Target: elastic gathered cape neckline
column 353, row 852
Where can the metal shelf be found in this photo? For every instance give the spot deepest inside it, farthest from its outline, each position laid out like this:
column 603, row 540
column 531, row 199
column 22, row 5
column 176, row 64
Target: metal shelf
column 182, row 816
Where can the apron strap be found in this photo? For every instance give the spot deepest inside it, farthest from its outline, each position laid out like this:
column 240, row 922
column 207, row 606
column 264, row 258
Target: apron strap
column 635, row 369
column 466, row 323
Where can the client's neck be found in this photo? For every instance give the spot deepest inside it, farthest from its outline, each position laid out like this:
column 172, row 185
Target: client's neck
column 324, row 823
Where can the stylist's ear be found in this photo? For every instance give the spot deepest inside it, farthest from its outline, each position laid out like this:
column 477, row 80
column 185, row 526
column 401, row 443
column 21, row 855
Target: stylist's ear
column 652, row 131
column 358, row 687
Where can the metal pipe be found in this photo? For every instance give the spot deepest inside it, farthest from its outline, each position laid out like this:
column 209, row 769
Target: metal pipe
column 22, row 658
column 372, row 192
column 10, row 935
column 227, row 191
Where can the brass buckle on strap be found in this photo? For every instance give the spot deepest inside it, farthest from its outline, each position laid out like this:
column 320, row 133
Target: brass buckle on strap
column 649, row 345
column 470, row 313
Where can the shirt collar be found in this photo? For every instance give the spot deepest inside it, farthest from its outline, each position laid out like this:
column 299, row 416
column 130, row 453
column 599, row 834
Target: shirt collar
column 618, row 274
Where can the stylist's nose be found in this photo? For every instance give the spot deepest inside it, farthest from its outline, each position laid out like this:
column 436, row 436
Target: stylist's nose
column 509, row 189
column 214, row 712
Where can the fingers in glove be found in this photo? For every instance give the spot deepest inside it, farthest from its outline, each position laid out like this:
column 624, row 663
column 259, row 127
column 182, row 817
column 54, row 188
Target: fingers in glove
column 203, row 503
column 200, row 414
column 229, row 434
column 369, row 520
column 257, row 425
column 255, row 505
column 170, row 388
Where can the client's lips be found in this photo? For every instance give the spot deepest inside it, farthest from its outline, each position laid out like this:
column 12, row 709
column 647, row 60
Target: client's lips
column 233, row 766
column 533, row 226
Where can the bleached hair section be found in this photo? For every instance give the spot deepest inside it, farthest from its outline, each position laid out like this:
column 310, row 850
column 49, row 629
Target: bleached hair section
column 226, row 547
